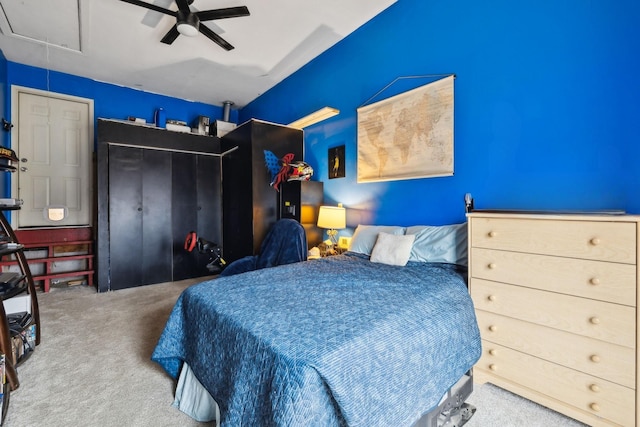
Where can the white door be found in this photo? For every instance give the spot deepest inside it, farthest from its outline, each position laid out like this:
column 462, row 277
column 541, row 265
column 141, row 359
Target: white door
column 53, row 142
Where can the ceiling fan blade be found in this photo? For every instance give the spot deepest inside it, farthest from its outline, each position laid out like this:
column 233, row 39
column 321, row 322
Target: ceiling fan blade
column 229, row 12
column 151, row 6
column 171, row 35
column 215, row 38
column 183, row 5
column 153, row 18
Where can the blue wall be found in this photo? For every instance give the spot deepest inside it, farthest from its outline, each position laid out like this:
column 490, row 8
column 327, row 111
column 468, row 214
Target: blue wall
column 546, row 113
column 546, row 105
column 110, row 101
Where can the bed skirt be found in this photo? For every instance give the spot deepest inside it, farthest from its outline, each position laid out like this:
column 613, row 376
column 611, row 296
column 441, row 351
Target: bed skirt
column 194, row 400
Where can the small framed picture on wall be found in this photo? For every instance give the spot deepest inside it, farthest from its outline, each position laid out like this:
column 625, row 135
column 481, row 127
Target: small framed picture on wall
column 336, row 162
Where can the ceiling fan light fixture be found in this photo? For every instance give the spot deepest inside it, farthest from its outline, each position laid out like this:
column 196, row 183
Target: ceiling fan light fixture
column 188, row 24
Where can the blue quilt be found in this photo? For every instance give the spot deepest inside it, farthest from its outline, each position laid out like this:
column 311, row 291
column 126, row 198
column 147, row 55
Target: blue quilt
column 338, row 341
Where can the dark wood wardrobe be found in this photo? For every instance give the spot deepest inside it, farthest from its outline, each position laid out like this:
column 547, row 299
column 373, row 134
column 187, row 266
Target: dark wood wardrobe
column 250, row 204
column 155, row 186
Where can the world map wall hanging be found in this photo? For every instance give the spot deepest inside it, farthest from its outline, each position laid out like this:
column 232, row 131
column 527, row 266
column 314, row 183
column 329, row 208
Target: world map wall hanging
column 409, row 135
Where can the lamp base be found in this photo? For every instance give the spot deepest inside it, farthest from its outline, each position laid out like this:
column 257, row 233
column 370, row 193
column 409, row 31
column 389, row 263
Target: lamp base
column 333, row 236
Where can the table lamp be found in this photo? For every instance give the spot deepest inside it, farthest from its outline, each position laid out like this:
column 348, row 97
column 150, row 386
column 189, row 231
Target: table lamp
column 333, row 218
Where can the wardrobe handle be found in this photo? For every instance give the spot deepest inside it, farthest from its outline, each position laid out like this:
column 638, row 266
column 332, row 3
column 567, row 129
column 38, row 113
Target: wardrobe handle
column 595, row 241
column 595, row 358
column 491, row 297
column 492, row 234
column 493, row 328
column 594, row 388
column 594, row 407
column 594, row 320
column 594, row 281
column 491, row 266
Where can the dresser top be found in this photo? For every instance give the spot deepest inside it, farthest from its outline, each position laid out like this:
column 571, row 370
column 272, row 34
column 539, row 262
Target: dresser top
column 610, row 216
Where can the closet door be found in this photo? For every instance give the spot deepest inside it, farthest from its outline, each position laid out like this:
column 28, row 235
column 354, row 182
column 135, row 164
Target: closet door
column 183, row 212
column 196, row 207
column 208, row 175
column 139, row 217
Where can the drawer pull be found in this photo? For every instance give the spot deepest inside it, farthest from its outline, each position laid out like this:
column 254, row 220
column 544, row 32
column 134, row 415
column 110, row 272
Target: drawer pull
column 595, row 241
column 491, row 266
column 491, row 297
column 594, row 388
column 493, row 328
column 492, row 234
column 493, row 352
column 493, row 367
column 595, row 358
column 594, row 407
column 594, row 320
column 594, row 281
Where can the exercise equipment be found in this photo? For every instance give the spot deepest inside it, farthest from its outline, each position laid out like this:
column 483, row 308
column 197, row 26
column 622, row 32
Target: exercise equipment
column 216, row 263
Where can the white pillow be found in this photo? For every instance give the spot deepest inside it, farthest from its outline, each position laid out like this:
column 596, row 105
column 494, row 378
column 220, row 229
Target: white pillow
column 446, row 243
column 364, row 238
column 392, row 249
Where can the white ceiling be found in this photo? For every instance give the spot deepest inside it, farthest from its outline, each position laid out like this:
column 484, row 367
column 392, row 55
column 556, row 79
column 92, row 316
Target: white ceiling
column 119, row 43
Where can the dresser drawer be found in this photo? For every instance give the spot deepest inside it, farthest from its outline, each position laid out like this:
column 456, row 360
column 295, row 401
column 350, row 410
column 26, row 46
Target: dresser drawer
column 606, row 281
column 605, row 321
column 592, row 395
column 596, row 240
column 598, row 358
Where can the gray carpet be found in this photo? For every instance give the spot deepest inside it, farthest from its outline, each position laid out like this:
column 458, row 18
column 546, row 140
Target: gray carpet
column 93, row 368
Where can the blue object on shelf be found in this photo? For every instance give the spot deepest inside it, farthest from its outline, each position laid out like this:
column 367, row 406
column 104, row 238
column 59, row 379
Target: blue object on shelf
column 161, row 118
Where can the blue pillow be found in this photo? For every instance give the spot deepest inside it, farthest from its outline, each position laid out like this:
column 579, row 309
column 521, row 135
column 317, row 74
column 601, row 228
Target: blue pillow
column 445, row 243
column 365, row 237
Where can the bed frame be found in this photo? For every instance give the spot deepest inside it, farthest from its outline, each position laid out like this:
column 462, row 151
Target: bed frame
column 452, row 411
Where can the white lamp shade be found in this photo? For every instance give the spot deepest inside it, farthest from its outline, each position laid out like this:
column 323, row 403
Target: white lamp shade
column 332, row 217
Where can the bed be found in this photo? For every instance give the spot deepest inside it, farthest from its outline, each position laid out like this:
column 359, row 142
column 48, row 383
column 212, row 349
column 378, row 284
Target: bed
column 347, row 340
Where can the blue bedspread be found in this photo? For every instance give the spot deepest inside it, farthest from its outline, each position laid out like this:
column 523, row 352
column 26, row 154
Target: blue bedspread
column 329, row 342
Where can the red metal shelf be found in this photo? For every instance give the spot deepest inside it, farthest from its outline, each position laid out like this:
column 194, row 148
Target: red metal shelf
column 49, row 239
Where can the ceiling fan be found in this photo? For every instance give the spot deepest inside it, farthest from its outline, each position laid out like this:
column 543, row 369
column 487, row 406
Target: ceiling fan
column 188, row 22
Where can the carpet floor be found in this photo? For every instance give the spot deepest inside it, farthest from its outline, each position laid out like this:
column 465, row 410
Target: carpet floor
column 93, row 367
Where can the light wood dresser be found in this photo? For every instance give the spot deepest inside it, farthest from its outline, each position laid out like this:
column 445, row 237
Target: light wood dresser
column 556, row 299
